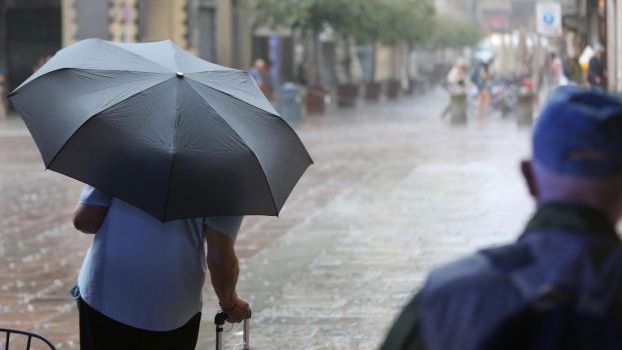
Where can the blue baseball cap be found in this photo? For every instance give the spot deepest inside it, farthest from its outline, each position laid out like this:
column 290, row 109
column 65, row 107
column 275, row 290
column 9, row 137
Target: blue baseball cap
column 579, row 133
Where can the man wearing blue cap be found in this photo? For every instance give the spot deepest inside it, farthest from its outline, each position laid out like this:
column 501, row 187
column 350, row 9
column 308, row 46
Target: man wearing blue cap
column 560, row 285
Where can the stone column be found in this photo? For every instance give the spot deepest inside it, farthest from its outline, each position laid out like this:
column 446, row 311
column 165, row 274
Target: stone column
column 243, row 35
column 384, row 64
column 68, row 20
column 123, row 17
column 178, row 23
column 614, row 45
column 164, row 19
column 611, row 45
column 225, row 32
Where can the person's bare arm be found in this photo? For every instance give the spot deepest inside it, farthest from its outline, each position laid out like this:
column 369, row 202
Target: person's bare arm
column 224, row 270
column 89, row 218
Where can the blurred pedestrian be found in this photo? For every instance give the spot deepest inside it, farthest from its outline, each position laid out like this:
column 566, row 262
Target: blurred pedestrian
column 481, row 79
column 572, row 70
column 596, row 69
column 556, row 70
column 140, row 286
column 456, row 81
column 457, row 75
column 261, row 74
column 560, row 285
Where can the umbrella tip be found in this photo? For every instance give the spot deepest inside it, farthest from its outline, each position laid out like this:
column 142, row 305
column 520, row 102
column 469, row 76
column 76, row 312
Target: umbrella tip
column 180, row 74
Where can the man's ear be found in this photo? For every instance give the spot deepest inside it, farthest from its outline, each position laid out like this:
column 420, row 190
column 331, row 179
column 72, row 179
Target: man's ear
column 526, row 167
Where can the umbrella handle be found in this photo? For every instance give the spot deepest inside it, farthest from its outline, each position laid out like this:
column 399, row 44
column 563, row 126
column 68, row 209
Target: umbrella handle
column 219, row 320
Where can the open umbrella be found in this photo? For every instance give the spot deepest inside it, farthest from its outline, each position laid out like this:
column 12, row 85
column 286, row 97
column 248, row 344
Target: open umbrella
column 161, row 129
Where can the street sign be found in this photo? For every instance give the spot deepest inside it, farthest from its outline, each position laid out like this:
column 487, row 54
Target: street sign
column 549, row 18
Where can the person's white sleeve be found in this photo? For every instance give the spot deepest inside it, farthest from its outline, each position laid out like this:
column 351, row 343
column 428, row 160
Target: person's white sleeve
column 92, row 196
column 227, row 225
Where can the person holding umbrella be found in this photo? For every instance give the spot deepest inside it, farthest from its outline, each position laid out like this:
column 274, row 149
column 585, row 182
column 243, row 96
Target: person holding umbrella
column 175, row 151
column 141, row 281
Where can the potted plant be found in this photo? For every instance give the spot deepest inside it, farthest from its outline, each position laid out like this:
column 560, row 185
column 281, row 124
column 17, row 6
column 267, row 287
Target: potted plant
column 347, row 93
column 393, row 89
column 372, row 91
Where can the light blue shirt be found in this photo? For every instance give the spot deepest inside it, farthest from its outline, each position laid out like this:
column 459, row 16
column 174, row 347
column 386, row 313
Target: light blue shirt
column 145, row 273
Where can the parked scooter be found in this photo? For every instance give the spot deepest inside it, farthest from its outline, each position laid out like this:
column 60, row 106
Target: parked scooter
column 504, row 93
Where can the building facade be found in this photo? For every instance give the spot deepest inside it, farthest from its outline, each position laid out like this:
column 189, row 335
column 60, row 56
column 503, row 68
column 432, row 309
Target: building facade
column 31, row 30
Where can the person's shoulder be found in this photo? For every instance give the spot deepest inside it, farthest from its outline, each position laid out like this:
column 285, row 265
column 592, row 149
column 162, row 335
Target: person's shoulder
column 462, row 301
column 467, row 270
column 489, row 268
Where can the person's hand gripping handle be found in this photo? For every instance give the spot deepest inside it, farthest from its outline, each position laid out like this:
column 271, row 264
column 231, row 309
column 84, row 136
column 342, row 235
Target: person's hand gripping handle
column 219, row 321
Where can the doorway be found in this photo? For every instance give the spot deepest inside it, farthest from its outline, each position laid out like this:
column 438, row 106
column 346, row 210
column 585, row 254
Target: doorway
column 33, row 31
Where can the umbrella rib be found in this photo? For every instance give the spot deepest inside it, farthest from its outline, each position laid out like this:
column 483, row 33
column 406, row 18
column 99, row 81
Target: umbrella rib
column 229, row 94
column 280, row 120
column 173, row 154
column 49, row 164
column 17, row 89
column 252, row 106
column 115, row 47
column 263, row 171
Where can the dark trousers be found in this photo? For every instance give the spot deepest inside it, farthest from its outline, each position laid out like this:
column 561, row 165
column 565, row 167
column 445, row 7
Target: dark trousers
column 99, row 332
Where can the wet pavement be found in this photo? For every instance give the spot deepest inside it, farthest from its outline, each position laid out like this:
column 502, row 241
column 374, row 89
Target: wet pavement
column 394, row 192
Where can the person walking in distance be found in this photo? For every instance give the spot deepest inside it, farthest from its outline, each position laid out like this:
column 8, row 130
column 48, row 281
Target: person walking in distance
column 261, row 74
column 558, row 78
column 456, row 81
column 481, row 78
column 596, row 69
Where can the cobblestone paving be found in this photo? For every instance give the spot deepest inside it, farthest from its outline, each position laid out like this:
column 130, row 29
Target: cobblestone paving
column 394, row 192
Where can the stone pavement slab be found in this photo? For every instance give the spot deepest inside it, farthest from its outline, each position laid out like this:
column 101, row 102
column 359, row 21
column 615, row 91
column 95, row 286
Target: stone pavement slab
column 394, row 192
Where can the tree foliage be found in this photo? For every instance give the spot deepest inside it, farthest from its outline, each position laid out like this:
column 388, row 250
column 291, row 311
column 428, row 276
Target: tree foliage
column 366, row 21
column 449, row 32
column 410, row 21
column 387, row 22
column 304, row 15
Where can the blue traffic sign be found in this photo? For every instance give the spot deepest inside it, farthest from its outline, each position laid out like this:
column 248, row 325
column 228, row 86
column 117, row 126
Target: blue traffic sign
column 548, row 18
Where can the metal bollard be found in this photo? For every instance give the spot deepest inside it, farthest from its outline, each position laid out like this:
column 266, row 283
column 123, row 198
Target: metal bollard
column 524, row 108
column 458, row 107
column 289, row 103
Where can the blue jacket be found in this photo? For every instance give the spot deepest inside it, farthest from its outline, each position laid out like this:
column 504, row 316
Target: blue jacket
column 569, row 258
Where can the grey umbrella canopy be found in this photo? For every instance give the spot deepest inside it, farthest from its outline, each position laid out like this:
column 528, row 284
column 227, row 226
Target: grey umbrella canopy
column 170, row 133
